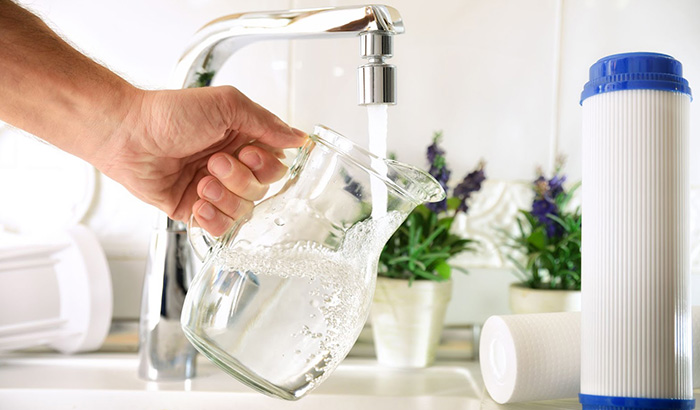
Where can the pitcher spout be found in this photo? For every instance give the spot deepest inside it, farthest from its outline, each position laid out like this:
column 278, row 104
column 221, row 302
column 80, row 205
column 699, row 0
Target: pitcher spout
column 406, row 182
column 418, row 184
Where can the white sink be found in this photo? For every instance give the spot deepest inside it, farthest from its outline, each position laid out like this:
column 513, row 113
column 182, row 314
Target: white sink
column 109, row 381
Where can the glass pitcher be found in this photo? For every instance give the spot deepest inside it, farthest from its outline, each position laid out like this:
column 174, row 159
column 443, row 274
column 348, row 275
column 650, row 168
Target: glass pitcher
column 284, row 294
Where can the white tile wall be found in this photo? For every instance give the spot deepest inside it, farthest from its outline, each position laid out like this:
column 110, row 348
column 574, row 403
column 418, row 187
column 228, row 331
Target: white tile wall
column 501, row 78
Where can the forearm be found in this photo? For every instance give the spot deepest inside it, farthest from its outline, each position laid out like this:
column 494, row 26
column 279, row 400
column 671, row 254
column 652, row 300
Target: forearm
column 49, row 89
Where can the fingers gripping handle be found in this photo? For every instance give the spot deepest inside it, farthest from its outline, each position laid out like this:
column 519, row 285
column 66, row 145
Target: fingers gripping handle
column 200, row 240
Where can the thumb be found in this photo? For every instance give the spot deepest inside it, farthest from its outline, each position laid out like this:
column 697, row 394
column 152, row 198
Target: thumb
column 254, row 121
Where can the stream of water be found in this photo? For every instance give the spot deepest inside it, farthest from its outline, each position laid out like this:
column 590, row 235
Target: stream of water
column 377, row 117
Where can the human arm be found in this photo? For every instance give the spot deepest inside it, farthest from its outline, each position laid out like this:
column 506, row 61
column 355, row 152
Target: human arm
column 161, row 145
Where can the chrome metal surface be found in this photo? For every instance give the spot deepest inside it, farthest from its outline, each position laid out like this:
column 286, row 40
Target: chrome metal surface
column 376, row 84
column 376, row 45
column 374, row 24
column 164, row 352
column 376, row 80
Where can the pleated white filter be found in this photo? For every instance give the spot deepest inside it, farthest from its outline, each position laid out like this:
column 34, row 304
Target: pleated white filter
column 635, row 251
column 537, row 356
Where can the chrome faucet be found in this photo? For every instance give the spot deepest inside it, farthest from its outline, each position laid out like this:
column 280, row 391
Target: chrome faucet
column 376, row 26
column 164, row 351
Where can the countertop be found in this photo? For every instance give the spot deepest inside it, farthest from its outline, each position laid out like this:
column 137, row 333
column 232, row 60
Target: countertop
column 109, row 381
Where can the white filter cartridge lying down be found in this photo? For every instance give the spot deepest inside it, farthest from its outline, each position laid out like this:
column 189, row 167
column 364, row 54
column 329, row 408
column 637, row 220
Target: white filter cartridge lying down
column 538, row 356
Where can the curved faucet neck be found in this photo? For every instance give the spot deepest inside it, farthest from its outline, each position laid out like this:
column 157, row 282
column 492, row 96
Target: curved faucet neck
column 219, row 39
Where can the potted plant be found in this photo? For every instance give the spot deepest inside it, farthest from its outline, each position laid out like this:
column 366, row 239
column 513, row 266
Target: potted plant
column 414, row 275
column 549, row 246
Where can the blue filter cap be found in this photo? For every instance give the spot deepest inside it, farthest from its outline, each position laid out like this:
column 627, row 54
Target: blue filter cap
column 593, row 402
column 635, row 71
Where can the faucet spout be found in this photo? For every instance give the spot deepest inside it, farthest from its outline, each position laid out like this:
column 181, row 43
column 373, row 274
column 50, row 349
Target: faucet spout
column 376, row 80
column 374, row 24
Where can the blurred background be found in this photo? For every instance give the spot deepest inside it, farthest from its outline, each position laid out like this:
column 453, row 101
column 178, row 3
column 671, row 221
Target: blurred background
column 500, row 78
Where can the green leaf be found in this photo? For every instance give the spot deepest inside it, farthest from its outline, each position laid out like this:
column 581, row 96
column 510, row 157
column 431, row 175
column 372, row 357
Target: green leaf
column 426, row 275
column 453, row 203
column 428, row 240
column 444, row 270
column 204, row 79
column 538, row 238
column 563, row 198
column 446, row 222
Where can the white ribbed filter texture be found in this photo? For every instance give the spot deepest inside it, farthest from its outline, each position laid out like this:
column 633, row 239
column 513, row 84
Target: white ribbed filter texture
column 635, row 323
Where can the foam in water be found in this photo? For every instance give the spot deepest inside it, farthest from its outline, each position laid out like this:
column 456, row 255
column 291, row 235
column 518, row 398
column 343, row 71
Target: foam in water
column 290, row 313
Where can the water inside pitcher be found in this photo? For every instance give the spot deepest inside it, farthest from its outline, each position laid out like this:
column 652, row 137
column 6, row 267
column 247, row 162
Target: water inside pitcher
column 284, row 294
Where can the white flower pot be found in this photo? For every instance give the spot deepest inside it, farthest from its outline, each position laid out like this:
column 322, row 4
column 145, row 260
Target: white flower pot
column 527, row 300
column 407, row 321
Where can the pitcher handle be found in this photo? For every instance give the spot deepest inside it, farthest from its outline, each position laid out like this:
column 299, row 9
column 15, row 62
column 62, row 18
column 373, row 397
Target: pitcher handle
column 201, row 241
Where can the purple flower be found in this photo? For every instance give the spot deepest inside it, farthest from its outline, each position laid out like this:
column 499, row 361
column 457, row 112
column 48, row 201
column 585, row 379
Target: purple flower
column 434, row 150
column 544, row 204
column 470, row 184
column 439, row 171
column 541, row 209
column 556, row 185
column 442, row 175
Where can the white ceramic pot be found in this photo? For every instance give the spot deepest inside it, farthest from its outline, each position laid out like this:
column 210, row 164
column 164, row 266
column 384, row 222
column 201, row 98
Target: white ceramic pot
column 527, row 300
column 407, row 321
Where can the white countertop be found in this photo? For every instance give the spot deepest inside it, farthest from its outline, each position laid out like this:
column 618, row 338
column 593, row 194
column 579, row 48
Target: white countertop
column 109, row 381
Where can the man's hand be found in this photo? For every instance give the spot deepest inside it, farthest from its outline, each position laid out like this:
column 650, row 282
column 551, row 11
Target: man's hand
column 210, row 152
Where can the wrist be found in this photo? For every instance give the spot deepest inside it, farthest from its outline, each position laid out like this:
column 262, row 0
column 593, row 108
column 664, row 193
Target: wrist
column 109, row 128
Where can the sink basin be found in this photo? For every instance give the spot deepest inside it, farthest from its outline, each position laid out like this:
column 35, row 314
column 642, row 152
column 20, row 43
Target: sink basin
column 109, row 381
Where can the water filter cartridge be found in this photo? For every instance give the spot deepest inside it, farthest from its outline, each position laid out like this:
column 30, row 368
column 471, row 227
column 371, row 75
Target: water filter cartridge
column 635, row 318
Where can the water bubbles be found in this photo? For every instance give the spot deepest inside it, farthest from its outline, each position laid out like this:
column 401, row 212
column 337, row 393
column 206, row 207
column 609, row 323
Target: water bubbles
column 279, row 222
column 332, row 285
column 310, row 358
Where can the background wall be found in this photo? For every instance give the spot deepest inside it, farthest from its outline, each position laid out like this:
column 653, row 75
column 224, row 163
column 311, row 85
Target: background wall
column 500, row 78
